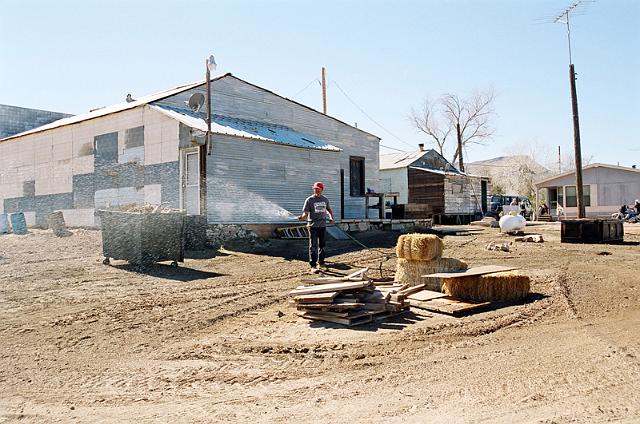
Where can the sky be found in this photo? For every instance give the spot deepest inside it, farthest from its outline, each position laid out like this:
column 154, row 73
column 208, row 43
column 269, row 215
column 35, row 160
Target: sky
column 382, row 59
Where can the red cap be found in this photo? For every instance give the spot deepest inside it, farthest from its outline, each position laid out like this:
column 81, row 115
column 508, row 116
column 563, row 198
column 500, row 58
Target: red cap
column 319, row 185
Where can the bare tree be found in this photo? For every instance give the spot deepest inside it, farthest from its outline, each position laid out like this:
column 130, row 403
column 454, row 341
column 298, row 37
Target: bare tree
column 429, row 121
column 438, row 119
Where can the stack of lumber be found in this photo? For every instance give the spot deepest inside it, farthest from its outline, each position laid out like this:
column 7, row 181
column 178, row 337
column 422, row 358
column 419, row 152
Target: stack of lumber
column 350, row 300
column 420, row 254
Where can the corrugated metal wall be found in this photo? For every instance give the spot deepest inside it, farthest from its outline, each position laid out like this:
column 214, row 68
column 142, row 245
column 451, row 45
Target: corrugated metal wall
column 256, row 182
column 233, row 97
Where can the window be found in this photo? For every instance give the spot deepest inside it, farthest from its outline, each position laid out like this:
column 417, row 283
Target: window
column 356, row 176
column 134, row 137
column 572, row 197
column 561, row 196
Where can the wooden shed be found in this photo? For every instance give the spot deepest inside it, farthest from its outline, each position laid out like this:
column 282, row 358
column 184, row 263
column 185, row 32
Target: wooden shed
column 429, row 186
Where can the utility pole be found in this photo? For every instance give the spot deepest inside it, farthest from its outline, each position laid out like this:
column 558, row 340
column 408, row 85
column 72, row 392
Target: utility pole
column 459, row 147
column 559, row 161
column 205, row 150
column 574, row 107
column 324, row 91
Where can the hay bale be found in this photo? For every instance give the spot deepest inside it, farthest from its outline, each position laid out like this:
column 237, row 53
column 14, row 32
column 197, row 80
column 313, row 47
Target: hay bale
column 400, row 246
column 419, row 247
column 499, row 286
column 410, row 272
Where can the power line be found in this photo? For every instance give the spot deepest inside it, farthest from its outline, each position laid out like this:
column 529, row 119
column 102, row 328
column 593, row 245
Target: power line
column 305, row 87
column 369, row 116
column 392, row 148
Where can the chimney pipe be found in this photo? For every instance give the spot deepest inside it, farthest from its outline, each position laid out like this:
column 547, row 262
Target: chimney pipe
column 421, row 147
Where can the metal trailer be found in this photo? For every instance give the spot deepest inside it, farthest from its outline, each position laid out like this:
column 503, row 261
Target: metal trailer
column 142, row 238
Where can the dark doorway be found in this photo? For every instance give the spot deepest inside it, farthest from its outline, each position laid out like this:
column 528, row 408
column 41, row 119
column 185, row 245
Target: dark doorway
column 342, row 194
column 483, row 191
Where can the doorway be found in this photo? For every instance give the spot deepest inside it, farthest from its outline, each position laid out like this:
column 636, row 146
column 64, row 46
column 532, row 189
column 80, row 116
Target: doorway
column 191, row 181
column 483, row 193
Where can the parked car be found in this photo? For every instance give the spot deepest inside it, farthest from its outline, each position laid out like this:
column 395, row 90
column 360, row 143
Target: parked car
column 502, row 203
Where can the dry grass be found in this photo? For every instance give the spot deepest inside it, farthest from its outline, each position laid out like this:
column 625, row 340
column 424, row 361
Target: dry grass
column 410, row 272
column 419, row 247
column 489, row 287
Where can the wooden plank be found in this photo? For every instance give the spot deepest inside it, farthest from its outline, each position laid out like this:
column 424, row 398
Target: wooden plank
column 424, row 295
column 332, row 306
column 360, row 275
column 316, row 298
column 320, row 317
column 449, row 305
column 328, row 313
column 478, row 270
column 410, row 290
column 375, row 306
column 326, row 288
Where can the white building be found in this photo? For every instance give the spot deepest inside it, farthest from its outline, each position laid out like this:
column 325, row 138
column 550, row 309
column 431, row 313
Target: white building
column 266, row 152
column 605, row 189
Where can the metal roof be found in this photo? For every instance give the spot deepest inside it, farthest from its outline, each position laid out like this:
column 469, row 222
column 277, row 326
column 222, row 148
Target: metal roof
column 441, row 172
column 243, row 128
column 584, row 168
column 113, row 108
column 151, row 98
column 400, row 160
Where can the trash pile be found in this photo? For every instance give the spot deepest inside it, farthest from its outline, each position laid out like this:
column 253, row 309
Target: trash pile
column 350, row 300
column 146, row 208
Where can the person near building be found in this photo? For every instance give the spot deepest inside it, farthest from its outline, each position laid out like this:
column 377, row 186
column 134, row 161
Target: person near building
column 316, row 210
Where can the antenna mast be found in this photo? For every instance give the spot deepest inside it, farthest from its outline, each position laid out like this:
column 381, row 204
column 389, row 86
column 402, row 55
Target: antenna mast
column 564, row 19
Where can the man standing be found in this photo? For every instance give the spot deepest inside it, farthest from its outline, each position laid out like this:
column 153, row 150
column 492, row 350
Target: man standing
column 315, row 211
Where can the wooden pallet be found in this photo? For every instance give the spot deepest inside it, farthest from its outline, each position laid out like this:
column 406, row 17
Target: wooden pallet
column 449, row 305
column 351, row 320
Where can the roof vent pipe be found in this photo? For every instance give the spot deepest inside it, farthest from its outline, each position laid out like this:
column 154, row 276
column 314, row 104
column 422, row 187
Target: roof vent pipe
column 421, row 147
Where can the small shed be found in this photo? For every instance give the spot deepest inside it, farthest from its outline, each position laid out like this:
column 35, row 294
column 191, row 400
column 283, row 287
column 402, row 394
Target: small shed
column 605, row 189
column 429, row 186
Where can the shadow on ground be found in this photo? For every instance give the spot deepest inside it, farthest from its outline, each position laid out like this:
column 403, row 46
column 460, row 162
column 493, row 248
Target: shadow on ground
column 297, row 249
column 169, row 272
column 397, row 322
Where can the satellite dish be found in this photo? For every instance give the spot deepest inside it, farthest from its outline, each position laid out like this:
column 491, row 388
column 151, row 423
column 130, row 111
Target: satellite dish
column 196, row 101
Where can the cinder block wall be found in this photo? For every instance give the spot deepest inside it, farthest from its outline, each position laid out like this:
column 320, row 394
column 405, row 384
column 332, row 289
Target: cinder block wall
column 14, row 120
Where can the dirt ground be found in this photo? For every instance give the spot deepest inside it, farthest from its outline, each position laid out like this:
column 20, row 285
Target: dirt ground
column 216, row 340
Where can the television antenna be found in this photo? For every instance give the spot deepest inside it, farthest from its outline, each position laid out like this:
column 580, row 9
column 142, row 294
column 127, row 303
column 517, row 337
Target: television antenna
column 564, row 18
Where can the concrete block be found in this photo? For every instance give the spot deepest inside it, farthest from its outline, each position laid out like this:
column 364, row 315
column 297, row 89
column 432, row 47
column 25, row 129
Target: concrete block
column 43, row 154
column 135, row 154
column 170, row 151
column 82, row 165
column 30, row 217
column 131, row 195
column 170, row 132
column 106, row 198
column 63, row 148
column 153, row 134
column 79, row 217
column 152, row 154
column 153, row 194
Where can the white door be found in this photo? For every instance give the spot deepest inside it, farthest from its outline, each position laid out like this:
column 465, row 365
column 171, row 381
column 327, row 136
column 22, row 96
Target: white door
column 191, row 183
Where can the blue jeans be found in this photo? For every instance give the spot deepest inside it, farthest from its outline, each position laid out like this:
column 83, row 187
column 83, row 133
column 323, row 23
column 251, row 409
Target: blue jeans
column 316, row 245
